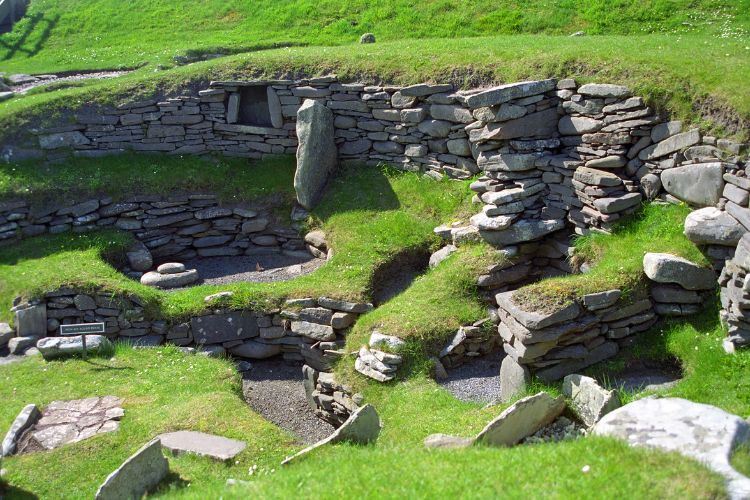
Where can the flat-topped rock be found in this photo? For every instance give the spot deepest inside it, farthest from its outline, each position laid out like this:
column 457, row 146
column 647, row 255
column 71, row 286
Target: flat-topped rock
column 668, row 268
column 171, row 268
column 522, row 231
column 175, row 280
column 699, row 185
column 711, row 226
column 703, row 432
column 595, row 177
column 200, row 443
column 505, row 93
column 535, row 320
column 58, row 347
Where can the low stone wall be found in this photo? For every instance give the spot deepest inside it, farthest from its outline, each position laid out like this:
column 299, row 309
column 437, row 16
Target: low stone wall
column 179, row 227
column 305, row 330
column 331, row 401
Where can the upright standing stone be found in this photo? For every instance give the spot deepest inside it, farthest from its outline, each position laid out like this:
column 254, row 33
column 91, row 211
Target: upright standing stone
column 316, row 154
column 589, row 400
column 137, row 475
column 514, row 378
column 31, row 321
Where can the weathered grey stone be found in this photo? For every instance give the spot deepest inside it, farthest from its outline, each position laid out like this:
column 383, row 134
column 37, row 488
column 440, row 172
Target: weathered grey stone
column 315, row 331
column 601, row 300
column 594, row 177
column 665, row 130
column 700, row 185
column 217, row 328
column 137, row 475
column 378, row 339
column 671, row 145
column 736, row 194
column 435, row 128
column 422, row 89
column 522, row 231
column 522, row 419
column 175, row 280
column 673, row 294
column 619, row 204
column 58, row 347
column 341, row 320
column 442, row 254
column 604, row 90
column 505, row 93
column 596, row 355
column 63, row 140
column 539, row 124
column 451, row 113
column 342, row 305
column 23, row 421
column 31, row 321
column 6, row 332
column 534, row 320
column 651, row 186
column 256, row 350
column 695, row 430
column 19, row 345
column 667, row 268
column 514, row 378
column 485, row 223
column 171, row 268
column 607, row 162
column 507, row 162
column 578, row 125
column 317, row 155
column 201, row 444
column 444, row 441
column 274, row 108
column 711, row 226
column 589, row 400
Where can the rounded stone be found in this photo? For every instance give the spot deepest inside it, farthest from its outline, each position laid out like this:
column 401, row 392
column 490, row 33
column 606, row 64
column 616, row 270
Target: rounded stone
column 177, row 280
column 367, row 38
column 667, row 268
column 171, row 268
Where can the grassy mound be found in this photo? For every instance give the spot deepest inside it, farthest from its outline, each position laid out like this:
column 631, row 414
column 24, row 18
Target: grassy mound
column 74, row 34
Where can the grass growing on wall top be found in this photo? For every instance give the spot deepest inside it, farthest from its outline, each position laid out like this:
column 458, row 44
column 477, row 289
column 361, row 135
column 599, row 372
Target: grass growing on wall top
column 617, row 260
column 369, row 216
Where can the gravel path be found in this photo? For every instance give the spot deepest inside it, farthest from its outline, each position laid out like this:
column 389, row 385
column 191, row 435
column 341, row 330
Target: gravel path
column 275, row 267
column 477, row 380
column 274, row 389
column 47, row 79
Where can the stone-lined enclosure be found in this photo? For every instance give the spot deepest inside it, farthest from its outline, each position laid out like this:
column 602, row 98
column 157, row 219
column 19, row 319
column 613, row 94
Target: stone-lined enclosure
column 552, row 156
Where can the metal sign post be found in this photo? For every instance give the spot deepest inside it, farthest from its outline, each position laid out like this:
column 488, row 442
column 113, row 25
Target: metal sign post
column 82, row 329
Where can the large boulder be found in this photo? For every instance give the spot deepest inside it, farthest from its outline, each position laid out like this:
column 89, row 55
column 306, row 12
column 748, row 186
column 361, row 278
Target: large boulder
column 58, row 347
column 668, row 268
column 711, row 226
column 698, row 431
column 316, row 154
column 522, row 419
column 700, row 185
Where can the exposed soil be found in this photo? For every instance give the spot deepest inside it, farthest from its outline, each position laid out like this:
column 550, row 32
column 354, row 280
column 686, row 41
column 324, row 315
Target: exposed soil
column 274, row 389
column 477, row 380
column 396, row 275
column 255, row 268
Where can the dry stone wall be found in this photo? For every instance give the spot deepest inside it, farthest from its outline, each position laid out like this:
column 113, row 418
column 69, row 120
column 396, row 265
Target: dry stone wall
column 178, row 227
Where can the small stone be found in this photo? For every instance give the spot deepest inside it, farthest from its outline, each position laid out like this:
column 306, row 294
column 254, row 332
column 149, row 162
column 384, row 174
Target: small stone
column 171, row 268
column 445, row 441
column 367, row 38
column 590, row 401
column 522, row 419
column 392, row 342
column 217, row 296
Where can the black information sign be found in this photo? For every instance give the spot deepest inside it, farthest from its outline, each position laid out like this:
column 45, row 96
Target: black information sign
column 82, row 329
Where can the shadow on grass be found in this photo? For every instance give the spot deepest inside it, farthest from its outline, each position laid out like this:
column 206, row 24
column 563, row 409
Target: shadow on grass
column 171, row 482
column 30, row 27
column 359, row 188
column 10, row 491
column 110, row 243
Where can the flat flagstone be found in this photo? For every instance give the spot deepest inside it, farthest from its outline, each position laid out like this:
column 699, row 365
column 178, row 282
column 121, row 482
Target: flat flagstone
column 64, row 422
column 200, row 443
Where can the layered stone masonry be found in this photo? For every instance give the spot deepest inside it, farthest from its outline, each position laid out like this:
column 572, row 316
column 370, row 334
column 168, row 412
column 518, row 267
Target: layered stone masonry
column 331, row 401
column 179, row 227
column 308, row 330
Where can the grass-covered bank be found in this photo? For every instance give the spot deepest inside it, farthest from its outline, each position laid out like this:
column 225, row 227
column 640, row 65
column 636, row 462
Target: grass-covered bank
column 709, row 84
column 74, row 34
column 165, row 390
column 369, row 215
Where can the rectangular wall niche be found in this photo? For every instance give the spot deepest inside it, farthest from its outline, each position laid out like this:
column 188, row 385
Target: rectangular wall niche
column 249, row 106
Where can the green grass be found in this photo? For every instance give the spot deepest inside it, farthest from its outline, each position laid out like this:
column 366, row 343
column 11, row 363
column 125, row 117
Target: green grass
column 655, row 66
column 369, row 215
column 165, row 390
column 617, row 260
column 126, row 175
column 741, row 459
column 72, row 34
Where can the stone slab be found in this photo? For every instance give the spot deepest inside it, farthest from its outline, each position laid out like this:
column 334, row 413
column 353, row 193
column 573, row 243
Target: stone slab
column 522, row 419
column 202, row 444
column 140, row 473
column 218, row 328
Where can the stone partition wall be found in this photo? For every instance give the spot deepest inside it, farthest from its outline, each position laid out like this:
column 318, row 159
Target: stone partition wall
column 177, row 227
column 306, row 330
